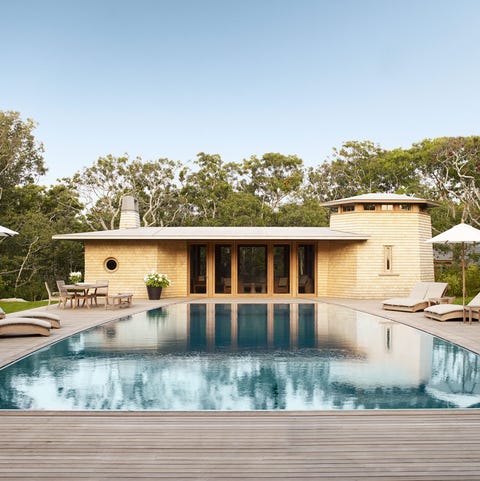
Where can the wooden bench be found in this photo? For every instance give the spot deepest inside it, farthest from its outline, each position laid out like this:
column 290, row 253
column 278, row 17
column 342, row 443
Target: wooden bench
column 123, row 299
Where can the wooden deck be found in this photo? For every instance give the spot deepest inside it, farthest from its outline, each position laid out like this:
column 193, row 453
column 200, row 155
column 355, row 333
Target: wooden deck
column 332, row 446
column 336, row 445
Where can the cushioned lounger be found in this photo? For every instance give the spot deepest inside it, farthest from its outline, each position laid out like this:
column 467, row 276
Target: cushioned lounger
column 53, row 319
column 447, row 312
column 24, row 326
column 27, row 324
column 418, row 298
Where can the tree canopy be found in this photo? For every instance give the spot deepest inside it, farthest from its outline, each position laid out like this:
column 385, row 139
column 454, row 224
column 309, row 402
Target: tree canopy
column 273, row 189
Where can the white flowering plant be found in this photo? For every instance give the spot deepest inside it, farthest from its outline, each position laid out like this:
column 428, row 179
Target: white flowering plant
column 75, row 277
column 155, row 279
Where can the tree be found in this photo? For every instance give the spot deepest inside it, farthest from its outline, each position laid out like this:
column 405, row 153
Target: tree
column 309, row 212
column 21, row 159
column 100, row 188
column 361, row 167
column 156, row 186
column 274, row 178
column 450, row 167
column 32, row 257
column 205, row 189
column 243, row 209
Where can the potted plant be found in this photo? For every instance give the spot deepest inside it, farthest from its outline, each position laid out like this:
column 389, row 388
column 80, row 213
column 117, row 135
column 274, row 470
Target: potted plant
column 155, row 282
column 75, row 277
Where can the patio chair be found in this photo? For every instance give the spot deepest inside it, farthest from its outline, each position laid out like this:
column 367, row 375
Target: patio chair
column 448, row 312
column 64, row 295
column 227, row 285
column 305, row 284
column 23, row 326
column 282, row 286
column 100, row 292
column 418, row 299
column 52, row 296
column 199, row 285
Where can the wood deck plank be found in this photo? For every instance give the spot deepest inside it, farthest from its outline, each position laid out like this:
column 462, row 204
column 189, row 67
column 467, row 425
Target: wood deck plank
column 421, row 445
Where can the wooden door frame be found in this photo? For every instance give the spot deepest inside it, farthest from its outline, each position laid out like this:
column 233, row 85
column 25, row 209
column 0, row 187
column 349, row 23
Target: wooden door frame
column 234, row 244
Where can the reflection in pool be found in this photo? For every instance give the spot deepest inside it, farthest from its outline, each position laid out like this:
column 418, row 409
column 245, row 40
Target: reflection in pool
column 245, row 357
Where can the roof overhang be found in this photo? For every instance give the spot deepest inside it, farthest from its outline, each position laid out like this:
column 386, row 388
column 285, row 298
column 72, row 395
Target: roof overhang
column 217, row 233
column 380, row 198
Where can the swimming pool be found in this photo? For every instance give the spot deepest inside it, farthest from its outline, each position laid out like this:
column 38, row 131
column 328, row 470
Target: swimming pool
column 245, row 357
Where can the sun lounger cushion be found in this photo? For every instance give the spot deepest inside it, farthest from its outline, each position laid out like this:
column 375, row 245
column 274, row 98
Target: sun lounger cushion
column 53, row 319
column 408, row 304
column 20, row 326
column 445, row 312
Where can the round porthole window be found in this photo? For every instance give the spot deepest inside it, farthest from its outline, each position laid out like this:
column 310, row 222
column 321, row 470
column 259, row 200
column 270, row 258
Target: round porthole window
column 111, row 264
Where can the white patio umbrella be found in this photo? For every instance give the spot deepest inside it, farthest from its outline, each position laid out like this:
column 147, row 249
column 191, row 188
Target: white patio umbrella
column 4, row 232
column 459, row 234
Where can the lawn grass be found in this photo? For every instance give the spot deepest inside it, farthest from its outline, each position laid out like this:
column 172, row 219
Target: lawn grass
column 9, row 307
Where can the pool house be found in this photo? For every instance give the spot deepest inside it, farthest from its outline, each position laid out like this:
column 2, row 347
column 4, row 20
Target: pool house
column 374, row 248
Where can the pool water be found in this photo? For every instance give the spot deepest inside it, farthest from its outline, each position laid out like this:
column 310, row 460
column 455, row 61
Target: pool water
column 245, row 357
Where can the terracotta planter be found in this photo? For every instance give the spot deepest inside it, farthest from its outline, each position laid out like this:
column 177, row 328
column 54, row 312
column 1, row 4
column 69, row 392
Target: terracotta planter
column 154, row 293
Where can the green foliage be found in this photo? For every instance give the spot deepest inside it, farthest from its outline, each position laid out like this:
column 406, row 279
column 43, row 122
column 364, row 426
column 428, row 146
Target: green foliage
column 273, row 178
column 238, row 209
column 362, row 167
column 274, row 189
column 205, row 189
column 453, row 275
column 32, row 257
column 21, row 157
column 450, row 167
column 308, row 213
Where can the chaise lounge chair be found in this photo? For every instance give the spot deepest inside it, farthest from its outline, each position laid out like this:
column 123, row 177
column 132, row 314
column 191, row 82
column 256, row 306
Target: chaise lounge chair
column 53, row 319
column 447, row 312
column 23, row 326
column 418, row 299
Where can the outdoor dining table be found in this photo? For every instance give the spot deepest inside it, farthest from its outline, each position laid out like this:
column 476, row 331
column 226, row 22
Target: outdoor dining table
column 83, row 288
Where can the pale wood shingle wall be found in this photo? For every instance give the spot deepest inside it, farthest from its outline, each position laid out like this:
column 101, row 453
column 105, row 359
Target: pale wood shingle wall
column 412, row 256
column 135, row 258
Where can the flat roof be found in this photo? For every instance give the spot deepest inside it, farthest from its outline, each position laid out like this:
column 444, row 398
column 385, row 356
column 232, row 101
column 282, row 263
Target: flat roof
column 216, row 233
column 380, row 197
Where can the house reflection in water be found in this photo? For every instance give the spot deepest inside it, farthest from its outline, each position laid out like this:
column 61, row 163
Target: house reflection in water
column 250, row 326
column 363, row 350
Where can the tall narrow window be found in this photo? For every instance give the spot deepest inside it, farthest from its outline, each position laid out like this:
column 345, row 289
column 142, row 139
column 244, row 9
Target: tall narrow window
column 223, row 269
column 281, row 269
column 306, row 269
column 387, row 259
column 198, row 269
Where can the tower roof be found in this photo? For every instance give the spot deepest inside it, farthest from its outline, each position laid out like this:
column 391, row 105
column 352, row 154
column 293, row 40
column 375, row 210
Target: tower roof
column 380, row 198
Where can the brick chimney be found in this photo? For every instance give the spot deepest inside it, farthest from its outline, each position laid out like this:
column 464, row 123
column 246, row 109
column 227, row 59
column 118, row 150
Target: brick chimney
column 129, row 216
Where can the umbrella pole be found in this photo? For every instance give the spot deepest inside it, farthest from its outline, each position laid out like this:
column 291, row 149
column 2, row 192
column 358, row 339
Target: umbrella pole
column 463, row 280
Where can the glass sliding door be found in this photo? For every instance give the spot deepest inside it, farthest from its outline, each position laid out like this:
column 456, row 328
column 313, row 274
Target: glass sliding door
column 223, row 269
column 306, row 269
column 252, row 269
column 281, row 269
column 198, row 269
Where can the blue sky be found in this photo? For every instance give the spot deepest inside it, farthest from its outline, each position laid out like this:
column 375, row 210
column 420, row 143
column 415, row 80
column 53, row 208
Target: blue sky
column 171, row 78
